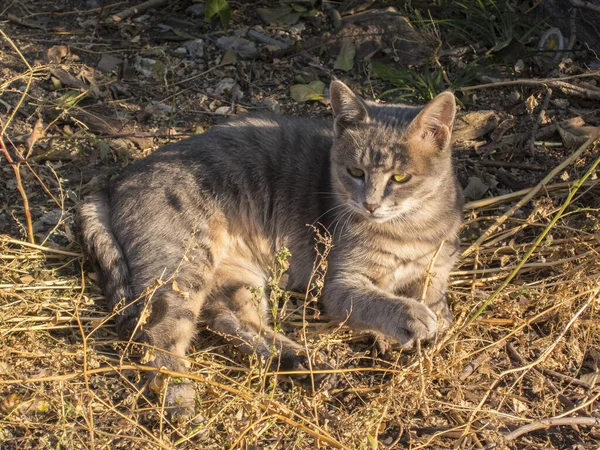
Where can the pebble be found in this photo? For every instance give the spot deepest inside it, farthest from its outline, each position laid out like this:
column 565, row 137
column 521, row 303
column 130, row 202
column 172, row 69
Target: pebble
column 195, row 48
column 196, row 9
column 243, row 47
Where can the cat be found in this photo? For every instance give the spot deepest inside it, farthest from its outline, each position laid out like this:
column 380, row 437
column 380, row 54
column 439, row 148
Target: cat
column 207, row 214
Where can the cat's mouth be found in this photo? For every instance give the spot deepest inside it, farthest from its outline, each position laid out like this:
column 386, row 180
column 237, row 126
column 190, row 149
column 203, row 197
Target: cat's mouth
column 378, row 216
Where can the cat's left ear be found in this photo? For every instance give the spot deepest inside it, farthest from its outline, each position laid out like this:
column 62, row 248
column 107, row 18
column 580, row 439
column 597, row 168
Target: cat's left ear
column 433, row 125
column 348, row 108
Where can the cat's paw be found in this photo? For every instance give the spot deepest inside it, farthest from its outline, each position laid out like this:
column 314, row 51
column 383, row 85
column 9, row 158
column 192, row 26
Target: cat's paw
column 418, row 322
column 180, row 401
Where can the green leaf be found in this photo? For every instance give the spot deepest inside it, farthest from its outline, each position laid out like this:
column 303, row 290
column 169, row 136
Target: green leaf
column 372, row 441
column 220, row 7
column 345, row 60
column 308, row 92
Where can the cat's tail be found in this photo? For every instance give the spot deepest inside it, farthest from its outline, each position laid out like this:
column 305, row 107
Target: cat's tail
column 105, row 252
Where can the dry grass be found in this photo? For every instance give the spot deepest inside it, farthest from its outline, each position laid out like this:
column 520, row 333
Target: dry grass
column 523, row 354
column 527, row 357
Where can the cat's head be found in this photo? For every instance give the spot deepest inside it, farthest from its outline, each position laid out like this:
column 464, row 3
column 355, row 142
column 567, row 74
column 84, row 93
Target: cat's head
column 388, row 162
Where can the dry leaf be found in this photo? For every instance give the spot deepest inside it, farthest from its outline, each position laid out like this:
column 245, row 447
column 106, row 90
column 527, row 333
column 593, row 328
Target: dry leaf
column 308, row 92
column 530, row 104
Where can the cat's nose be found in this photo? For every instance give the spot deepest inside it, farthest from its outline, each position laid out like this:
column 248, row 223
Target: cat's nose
column 371, row 207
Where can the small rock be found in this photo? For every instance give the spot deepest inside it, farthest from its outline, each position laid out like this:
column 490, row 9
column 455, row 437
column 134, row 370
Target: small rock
column 47, row 220
column 142, row 18
column 271, row 105
column 195, row 48
column 144, row 66
column 196, row 9
column 241, row 32
column 514, row 96
column 224, row 86
column 229, row 88
column 108, row 63
column 223, row 110
column 243, row 47
column 159, row 109
column 298, row 28
column 476, row 188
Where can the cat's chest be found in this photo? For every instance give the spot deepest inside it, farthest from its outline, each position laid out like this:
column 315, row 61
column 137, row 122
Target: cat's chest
column 393, row 263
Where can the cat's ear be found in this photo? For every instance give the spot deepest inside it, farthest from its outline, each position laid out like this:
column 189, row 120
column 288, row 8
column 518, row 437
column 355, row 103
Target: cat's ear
column 348, row 108
column 433, row 125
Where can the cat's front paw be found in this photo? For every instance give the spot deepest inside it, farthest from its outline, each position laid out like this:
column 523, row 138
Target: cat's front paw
column 417, row 322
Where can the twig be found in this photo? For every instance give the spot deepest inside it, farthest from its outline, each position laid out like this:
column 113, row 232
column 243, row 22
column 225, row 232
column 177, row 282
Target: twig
column 279, row 411
column 542, row 235
column 266, row 39
column 17, row 171
column 509, row 165
column 126, row 13
column 513, row 195
column 540, row 117
column 546, row 423
column 36, row 133
column 428, row 272
column 584, row 4
column 43, row 249
column 574, row 156
column 557, row 83
column 472, row 366
column 512, row 351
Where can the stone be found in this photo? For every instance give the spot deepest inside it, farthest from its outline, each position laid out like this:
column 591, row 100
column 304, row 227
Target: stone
column 243, row 47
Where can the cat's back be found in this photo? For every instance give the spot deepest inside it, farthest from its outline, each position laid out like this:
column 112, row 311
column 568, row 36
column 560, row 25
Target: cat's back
column 247, row 140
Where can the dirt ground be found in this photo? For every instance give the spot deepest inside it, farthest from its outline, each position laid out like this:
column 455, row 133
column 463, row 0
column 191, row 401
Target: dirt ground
column 84, row 92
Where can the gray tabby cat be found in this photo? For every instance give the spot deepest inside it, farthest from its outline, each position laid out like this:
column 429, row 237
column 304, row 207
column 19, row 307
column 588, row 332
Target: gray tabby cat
column 209, row 213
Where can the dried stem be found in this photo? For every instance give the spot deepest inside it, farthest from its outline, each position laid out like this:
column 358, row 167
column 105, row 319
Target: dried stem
column 574, row 156
column 542, row 235
column 16, row 169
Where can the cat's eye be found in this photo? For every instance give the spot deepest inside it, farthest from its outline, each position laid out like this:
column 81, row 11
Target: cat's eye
column 356, row 172
column 401, row 177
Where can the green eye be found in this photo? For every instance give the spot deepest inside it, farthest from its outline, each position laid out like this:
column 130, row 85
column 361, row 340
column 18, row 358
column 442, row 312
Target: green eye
column 356, row 173
column 401, row 177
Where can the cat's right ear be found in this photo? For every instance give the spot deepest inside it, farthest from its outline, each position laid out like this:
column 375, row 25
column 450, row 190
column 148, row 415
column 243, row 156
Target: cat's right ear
column 348, row 108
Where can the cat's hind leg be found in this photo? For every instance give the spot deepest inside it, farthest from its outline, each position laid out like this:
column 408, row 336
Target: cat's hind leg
column 168, row 332
column 237, row 309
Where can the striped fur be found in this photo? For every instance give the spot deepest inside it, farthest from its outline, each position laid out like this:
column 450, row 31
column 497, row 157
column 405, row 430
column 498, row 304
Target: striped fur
column 204, row 217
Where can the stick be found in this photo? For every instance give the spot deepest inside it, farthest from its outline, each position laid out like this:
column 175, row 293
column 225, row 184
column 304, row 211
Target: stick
column 126, row 13
column 44, row 249
column 509, row 165
column 530, row 195
column 279, row 411
column 541, row 237
column 558, row 83
column 546, row 423
column 513, row 195
column 512, row 351
column 17, row 171
column 584, row 4
column 540, row 117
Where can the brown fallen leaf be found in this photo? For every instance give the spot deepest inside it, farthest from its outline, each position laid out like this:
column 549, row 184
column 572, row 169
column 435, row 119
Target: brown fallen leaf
column 574, row 137
column 16, row 403
column 473, row 125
